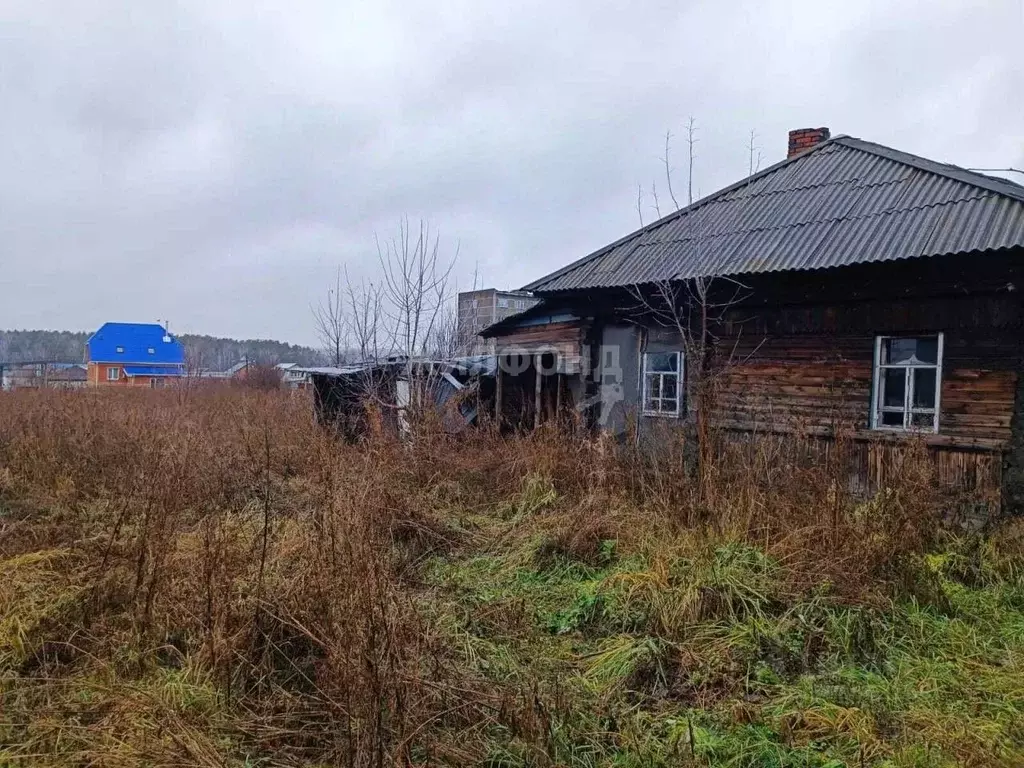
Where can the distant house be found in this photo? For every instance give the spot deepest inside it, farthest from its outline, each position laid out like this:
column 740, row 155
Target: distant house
column 21, row 376
column 40, row 375
column 134, row 355
column 64, row 376
column 293, row 376
column 238, row 370
column 235, row 371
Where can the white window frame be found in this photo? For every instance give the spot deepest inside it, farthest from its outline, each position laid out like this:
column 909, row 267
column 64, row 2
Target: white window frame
column 113, row 373
column 502, row 303
column 679, row 375
column 120, row 350
column 908, row 387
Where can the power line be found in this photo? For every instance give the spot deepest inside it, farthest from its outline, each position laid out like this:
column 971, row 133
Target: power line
column 997, row 170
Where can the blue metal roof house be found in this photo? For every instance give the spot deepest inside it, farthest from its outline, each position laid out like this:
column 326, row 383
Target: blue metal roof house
column 134, row 354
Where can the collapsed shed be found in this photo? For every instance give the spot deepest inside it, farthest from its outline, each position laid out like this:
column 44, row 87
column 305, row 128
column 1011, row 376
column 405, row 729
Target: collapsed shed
column 345, row 396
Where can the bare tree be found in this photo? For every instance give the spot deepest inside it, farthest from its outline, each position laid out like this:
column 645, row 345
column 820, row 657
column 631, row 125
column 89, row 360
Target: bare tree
column 331, row 326
column 448, row 339
column 407, row 312
column 668, row 167
column 693, row 308
column 691, row 139
column 755, row 155
column 194, row 363
column 415, row 285
column 365, row 321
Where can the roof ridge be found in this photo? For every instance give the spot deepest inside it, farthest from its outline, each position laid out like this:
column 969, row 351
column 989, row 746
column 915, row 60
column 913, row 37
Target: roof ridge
column 987, row 184
column 996, row 184
column 746, row 180
column 138, row 325
column 829, row 220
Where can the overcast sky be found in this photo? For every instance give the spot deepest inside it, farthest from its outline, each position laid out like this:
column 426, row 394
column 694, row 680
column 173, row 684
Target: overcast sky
column 211, row 162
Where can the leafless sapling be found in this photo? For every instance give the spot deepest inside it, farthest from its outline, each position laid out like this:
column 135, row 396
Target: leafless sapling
column 330, row 321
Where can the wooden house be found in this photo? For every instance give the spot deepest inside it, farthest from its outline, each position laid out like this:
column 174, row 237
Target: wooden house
column 851, row 287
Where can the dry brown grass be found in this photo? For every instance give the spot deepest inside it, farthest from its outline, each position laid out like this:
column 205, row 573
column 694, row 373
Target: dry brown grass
column 205, row 577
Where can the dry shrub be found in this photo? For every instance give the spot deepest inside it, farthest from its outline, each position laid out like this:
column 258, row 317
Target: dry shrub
column 219, row 530
column 794, row 495
column 580, row 536
column 222, row 526
column 263, row 376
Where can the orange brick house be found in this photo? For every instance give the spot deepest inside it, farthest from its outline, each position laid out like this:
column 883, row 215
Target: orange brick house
column 134, row 355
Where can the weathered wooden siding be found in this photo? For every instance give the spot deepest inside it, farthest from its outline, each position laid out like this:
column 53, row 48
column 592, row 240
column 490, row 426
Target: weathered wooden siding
column 808, row 370
column 793, row 382
column 970, row 478
column 813, row 365
column 565, row 339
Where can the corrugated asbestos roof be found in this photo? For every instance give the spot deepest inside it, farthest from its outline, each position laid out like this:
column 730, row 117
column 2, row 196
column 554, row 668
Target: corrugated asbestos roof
column 475, row 365
column 847, row 201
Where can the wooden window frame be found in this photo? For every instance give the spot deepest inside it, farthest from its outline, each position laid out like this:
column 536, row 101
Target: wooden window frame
column 908, row 388
column 679, row 375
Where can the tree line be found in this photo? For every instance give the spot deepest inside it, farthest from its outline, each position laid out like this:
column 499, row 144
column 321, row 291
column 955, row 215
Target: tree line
column 208, row 352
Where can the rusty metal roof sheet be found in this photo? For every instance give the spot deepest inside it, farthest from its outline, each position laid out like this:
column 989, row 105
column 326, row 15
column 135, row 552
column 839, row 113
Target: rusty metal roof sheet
column 846, row 201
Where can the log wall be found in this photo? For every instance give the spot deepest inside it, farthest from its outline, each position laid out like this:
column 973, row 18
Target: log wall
column 808, row 370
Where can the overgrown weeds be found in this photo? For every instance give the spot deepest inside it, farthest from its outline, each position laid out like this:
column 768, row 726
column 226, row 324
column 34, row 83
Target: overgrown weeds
column 206, row 578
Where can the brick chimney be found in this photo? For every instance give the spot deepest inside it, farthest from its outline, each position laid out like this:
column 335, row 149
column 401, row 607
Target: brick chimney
column 803, row 139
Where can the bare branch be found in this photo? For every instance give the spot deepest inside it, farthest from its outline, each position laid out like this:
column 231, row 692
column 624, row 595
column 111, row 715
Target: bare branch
column 668, row 168
column 365, row 307
column 654, row 194
column 330, row 322
column 753, row 167
column 996, row 170
column 691, row 139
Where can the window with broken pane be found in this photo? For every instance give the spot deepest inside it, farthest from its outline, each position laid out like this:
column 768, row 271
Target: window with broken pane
column 907, row 378
column 662, row 383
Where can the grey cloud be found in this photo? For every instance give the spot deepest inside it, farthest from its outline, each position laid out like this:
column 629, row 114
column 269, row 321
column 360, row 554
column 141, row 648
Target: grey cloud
column 213, row 162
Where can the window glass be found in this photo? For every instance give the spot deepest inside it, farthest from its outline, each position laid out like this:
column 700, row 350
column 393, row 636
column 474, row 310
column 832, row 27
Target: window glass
column 898, row 351
column 894, row 382
column 907, row 378
column 911, row 351
column 661, row 384
column 924, row 388
column 928, row 350
column 922, row 420
column 663, row 361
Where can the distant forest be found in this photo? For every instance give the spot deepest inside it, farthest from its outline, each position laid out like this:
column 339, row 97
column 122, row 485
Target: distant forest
column 208, row 352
